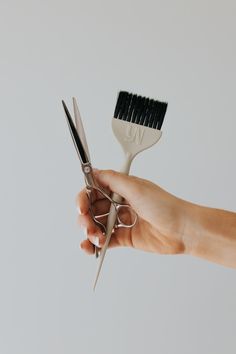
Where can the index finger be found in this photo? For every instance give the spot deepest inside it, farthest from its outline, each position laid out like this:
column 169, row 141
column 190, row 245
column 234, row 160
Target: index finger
column 82, row 202
column 82, row 199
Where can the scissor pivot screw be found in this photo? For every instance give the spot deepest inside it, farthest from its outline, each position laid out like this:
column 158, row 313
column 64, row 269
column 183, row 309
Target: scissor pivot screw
column 87, row 169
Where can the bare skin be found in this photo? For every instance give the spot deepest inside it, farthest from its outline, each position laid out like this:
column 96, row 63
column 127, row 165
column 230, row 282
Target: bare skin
column 166, row 224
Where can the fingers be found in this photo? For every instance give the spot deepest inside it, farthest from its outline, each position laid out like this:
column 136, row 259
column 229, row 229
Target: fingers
column 98, row 208
column 124, row 185
column 118, row 239
column 95, row 237
column 87, row 246
column 82, row 202
column 127, row 187
column 92, row 231
column 89, row 226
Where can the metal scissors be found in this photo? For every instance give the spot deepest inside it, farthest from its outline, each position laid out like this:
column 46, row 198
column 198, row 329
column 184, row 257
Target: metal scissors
column 81, row 146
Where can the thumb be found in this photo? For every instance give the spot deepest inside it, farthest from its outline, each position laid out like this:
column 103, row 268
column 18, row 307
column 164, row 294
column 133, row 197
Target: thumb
column 120, row 183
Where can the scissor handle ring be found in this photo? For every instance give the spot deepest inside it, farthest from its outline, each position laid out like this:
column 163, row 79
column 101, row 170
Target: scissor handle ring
column 117, row 206
column 120, row 222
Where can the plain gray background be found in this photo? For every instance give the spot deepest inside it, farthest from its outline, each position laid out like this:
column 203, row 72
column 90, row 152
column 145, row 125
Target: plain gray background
column 180, row 51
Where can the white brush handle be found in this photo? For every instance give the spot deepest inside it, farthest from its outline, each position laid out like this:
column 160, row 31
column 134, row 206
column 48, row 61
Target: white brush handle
column 125, row 169
column 117, row 198
column 113, row 215
column 133, row 138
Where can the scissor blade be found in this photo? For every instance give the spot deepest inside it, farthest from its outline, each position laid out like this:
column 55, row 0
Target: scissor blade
column 75, row 136
column 101, row 258
column 79, row 127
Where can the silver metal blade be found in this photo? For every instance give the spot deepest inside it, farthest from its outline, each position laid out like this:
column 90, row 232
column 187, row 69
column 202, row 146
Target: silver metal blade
column 101, row 259
column 109, row 228
column 75, row 136
column 80, row 128
column 81, row 133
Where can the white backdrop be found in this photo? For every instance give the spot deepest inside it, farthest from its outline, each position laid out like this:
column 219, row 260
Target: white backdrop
column 180, row 51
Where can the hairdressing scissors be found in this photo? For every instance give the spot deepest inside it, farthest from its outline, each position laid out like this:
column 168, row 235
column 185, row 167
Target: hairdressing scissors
column 81, row 146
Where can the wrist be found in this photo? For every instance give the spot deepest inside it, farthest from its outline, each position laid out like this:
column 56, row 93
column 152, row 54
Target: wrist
column 210, row 234
column 180, row 226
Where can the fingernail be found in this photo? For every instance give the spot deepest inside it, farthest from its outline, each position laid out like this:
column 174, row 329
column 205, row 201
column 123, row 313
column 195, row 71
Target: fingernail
column 78, row 210
column 85, row 231
column 94, row 240
column 82, row 246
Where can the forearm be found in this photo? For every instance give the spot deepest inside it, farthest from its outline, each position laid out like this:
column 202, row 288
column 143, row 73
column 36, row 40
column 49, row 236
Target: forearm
column 210, row 234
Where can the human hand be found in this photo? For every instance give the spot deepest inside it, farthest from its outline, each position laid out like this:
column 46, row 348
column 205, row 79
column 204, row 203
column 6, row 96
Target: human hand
column 160, row 223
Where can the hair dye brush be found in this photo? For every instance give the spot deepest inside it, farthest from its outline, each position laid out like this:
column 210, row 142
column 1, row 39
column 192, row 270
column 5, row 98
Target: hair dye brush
column 137, row 126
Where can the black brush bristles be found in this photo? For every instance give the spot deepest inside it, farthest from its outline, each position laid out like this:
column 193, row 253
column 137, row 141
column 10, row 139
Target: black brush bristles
column 140, row 110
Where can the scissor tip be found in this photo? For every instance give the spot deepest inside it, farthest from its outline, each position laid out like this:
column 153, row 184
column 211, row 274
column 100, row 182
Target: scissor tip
column 75, row 103
column 65, row 107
